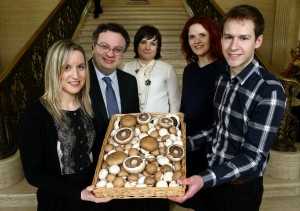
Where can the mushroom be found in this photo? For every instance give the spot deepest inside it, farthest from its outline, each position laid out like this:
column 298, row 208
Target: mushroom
column 173, row 184
column 119, row 182
column 143, row 118
column 140, row 185
column 128, row 120
column 151, row 168
column 108, row 147
column 177, row 175
column 165, row 122
column 149, row 143
column 134, row 164
column 116, row 158
column 101, row 184
column 161, row 183
column 109, row 185
column 162, row 160
column 123, row 135
column 133, row 151
column 162, row 132
column 168, row 176
column 158, row 175
column 116, row 123
column 103, row 174
column 175, row 118
column 132, row 177
column 150, row 181
column 110, row 177
column 114, row 169
column 177, row 166
column 175, row 152
column 144, row 128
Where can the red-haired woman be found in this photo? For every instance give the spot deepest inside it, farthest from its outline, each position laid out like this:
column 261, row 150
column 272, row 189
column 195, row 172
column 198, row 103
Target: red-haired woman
column 201, row 45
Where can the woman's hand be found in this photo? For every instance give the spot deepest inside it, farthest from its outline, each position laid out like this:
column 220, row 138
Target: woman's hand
column 87, row 195
column 194, row 183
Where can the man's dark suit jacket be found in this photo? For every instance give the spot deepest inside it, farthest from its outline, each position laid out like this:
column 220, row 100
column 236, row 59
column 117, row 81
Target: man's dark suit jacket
column 129, row 102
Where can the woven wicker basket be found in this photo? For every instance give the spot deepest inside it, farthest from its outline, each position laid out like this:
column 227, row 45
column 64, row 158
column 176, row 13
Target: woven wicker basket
column 140, row 192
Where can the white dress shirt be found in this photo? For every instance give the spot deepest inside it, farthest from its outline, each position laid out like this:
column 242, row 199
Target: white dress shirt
column 115, row 86
column 163, row 93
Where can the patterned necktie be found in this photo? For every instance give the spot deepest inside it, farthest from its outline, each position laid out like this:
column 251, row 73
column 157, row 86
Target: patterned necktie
column 112, row 105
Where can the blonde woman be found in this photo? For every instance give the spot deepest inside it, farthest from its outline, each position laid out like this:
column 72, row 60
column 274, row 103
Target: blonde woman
column 56, row 134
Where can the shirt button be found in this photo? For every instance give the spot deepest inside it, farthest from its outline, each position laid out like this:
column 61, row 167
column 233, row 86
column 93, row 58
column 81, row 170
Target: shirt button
column 81, row 142
column 81, row 156
column 81, row 168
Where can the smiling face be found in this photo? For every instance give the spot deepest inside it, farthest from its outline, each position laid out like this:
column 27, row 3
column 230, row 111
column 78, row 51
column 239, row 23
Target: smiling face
column 108, row 62
column 147, row 49
column 74, row 75
column 239, row 44
column 199, row 40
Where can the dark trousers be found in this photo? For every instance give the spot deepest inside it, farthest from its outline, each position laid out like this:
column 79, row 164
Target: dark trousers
column 147, row 204
column 236, row 197
column 98, row 8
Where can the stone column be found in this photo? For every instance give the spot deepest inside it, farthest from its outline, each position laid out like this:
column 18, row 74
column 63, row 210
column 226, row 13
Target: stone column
column 284, row 37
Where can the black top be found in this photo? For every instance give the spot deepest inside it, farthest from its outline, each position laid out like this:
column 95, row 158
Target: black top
column 39, row 139
column 198, row 87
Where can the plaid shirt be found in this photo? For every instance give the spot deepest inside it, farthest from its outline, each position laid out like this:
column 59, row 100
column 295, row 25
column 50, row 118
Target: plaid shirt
column 247, row 112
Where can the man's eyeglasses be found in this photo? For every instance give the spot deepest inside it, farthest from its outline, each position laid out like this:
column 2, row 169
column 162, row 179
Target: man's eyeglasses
column 106, row 49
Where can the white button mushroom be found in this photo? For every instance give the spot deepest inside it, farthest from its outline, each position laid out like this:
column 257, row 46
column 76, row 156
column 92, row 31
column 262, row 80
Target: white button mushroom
column 101, row 184
column 168, row 176
column 103, row 174
column 114, row 169
column 161, row 184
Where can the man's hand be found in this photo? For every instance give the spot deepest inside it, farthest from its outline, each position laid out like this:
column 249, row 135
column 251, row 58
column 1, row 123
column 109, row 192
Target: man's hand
column 194, row 183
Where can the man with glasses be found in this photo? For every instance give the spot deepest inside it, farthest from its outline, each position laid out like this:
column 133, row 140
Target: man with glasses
column 110, row 42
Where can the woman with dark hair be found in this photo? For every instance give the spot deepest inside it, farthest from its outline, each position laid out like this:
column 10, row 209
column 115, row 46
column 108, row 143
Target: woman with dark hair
column 158, row 83
column 201, row 45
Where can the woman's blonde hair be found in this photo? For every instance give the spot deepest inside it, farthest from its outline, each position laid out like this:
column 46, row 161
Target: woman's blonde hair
column 57, row 58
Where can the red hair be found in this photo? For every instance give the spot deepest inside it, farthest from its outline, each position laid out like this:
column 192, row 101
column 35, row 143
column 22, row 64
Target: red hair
column 215, row 51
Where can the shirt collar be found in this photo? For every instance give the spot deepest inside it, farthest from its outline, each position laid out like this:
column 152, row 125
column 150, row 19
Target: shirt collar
column 249, row 70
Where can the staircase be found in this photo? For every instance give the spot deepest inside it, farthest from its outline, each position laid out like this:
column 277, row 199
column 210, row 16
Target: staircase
column 279, row 195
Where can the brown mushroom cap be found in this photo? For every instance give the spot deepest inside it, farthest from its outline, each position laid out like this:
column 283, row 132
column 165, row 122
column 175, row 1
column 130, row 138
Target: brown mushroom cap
column 143, row 118
column 175, row 152
column 134, row 164
column 119, row 182
column 151, row 168
column 154, row 134
column 115, row 158
column 124, row 135
column 110, row 177
column 132, row 177
column 177, row 175
column 128, row 120
column 133, row 151
column 149, row 143
column 150, row 181
column 108, row 147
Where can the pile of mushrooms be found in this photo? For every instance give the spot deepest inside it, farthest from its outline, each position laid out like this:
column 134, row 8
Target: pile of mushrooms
column 143, row 151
